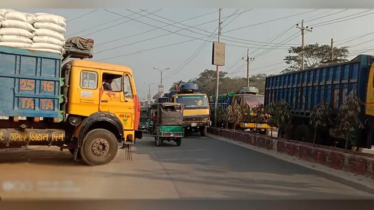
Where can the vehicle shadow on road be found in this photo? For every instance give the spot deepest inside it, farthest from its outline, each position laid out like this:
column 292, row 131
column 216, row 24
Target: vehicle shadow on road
column 219, row 163
column 39, row 157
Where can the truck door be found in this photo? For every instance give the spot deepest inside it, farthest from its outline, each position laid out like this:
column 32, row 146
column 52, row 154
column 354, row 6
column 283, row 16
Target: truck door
column 113, row 100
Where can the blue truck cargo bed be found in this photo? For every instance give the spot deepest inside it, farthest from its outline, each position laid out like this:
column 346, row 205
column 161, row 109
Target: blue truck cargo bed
column 305, row 89
column 29, row 83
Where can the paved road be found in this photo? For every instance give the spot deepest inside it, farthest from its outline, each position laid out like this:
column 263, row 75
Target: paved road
column 202, row 167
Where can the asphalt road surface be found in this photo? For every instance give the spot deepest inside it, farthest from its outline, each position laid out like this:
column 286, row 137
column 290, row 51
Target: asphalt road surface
column 202, row 167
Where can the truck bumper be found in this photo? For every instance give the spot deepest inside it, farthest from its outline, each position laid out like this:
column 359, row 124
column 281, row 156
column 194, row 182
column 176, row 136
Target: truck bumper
column 190, row 125
column 260, row 126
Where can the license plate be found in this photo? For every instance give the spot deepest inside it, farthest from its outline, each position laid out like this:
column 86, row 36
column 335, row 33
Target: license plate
column 171, row 134
column 258, row 125
column 193, row 124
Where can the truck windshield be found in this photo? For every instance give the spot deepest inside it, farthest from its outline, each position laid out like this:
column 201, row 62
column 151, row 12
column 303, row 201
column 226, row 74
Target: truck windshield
column 193, row 100
column 254, row 100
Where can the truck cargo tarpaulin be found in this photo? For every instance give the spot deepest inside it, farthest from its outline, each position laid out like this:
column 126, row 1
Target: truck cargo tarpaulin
column 79, row 47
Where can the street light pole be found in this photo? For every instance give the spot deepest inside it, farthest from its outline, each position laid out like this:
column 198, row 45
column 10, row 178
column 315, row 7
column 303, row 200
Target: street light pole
column 217, row 70
column 161, row 72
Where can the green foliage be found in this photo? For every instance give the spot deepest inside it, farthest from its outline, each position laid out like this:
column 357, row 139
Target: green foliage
column 221, row 114
column 315, row 55
column 283, row 112
column 280, row 114
column 259, row 110
column 320, row 116
column 246, row 115
column 237, row 113
column 270, row 110
column 206, row 81
column 230, row 114
column 348, row 116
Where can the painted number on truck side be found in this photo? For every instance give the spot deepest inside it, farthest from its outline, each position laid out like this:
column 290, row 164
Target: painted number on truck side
column 27, row 84
column 48, row 86
column 27, row 103
column 47, row 104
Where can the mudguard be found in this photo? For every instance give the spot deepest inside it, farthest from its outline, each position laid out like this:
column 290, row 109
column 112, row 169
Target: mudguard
column 100, row 117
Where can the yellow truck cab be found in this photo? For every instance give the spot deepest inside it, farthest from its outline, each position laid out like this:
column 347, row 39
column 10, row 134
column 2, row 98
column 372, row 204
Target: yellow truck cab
column 247, row 96
column 84, row 106
column 196, row 114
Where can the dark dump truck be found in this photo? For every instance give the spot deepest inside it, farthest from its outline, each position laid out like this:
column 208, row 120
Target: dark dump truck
column 303, row 90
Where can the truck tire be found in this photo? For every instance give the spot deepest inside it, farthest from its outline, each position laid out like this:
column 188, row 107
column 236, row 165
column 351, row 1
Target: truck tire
column 304, row 133
column 99, row 147
column 178, row 141
column 158, row 141
column 203, row 131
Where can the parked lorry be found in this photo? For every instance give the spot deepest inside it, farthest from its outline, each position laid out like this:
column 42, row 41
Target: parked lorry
column 305, row 89
column 246, row 96
column 43, row 102
column 196, row 113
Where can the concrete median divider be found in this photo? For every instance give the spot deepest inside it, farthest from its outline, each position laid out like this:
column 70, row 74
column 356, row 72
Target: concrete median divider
column 340, row 159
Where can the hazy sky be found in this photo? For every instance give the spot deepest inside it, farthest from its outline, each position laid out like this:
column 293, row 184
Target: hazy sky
column 244, row 28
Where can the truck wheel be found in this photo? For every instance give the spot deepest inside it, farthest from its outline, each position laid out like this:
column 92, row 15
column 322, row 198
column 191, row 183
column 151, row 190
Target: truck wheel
column 303, row 133
column 203, row 131
column 178, row 141
column 99, row 147
column 158, row 141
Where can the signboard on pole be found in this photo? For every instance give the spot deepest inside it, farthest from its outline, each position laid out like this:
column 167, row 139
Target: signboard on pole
column 149, row 97
column 160, row 89
column 218, row 54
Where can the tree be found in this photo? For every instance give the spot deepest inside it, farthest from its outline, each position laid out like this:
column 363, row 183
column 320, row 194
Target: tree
column 315, row 55
column 207, row 81
column 246, row 114
column 237, row 114
column 221, row 114
column 320, row 117
column 348, row 116
column 272, row 121
column 172, row 88
column 280, row 114
column 230, row 115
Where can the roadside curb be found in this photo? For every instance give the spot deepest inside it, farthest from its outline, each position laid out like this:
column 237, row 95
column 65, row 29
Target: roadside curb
column 339, row 159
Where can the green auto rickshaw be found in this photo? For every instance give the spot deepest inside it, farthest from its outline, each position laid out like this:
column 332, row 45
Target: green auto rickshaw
column 145, row 119
column 168, row 124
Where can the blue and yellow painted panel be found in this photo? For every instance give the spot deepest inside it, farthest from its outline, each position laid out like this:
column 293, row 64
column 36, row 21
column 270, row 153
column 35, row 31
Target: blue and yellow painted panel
column 29, row 83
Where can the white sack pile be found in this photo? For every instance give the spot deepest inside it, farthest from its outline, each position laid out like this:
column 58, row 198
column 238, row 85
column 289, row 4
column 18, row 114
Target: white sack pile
column 15, row 31
column 40, row 31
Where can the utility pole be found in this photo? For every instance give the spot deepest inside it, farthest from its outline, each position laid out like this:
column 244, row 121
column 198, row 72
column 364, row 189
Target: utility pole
column 303, row 29
column 161, row 72
column 332, row 51
column 217, row 70
column 248, row 60
column 149, row 91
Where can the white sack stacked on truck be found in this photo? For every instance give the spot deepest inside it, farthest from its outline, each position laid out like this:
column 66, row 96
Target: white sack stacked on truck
column 49, row 33
column 15, row 30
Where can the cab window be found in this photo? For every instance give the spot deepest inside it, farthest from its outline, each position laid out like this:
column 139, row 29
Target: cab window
column 88, row 80
column 112, row 82
column 127, row 87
